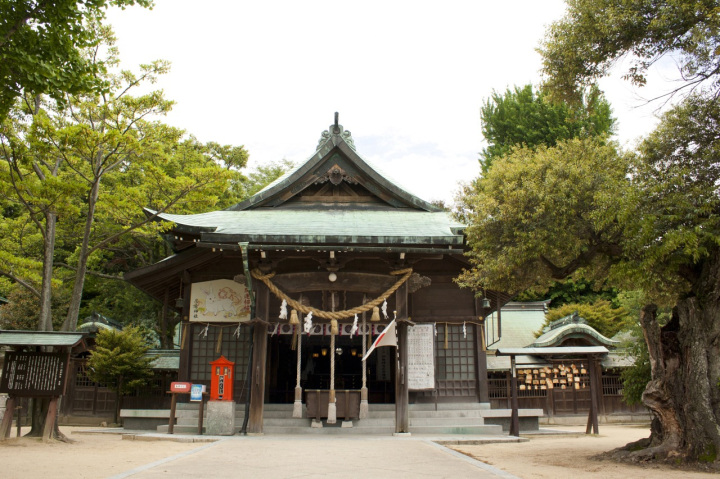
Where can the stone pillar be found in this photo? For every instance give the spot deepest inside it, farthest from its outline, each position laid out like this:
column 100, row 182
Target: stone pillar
column 220, row 418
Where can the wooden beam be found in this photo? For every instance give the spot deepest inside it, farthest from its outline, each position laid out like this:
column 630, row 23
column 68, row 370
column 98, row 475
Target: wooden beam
column 260, row 340
column 318, row 281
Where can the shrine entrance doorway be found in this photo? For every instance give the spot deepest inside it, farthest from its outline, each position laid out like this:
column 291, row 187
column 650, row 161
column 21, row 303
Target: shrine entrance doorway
column 315, row 367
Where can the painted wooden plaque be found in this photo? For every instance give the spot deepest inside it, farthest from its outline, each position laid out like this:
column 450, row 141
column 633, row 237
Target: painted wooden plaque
column 219, row 301
column 421, row 357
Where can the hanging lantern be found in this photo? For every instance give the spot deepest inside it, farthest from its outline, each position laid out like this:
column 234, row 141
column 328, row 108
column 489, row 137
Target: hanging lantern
column 294, row 317
column 375, row 315
column 333, row 326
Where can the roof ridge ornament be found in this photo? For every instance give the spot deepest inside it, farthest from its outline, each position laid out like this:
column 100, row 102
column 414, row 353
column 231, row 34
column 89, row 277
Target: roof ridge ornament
column 336, row 130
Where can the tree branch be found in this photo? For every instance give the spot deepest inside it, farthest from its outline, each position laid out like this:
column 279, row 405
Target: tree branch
column 21, row 282
column 92, row 273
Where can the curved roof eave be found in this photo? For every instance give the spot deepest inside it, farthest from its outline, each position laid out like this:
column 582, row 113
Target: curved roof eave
column 556, row 336
column 335, row 142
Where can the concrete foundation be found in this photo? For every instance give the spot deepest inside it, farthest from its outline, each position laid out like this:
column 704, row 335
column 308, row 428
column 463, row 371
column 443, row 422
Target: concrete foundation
column 220, row 418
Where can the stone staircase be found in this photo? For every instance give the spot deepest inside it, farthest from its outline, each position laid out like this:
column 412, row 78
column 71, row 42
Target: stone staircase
column 447, row 418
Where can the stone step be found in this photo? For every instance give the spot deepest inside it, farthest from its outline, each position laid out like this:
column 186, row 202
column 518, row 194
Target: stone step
column 360, row 430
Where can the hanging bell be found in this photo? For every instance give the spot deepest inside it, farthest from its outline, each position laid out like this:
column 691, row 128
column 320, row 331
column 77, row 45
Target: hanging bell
column 294, row 317
column 333, row 326
column 375, row 315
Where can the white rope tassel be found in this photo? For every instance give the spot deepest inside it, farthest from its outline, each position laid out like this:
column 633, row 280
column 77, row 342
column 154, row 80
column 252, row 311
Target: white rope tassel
column 283, row 310
column 308, row 323
column 354, row 328
column 364, row 391
column 297, row 405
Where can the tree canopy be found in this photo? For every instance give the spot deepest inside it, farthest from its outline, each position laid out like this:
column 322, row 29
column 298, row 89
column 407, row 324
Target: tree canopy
column 594, row 34
column 543, row 214
column 522, row 116
column 43, row 45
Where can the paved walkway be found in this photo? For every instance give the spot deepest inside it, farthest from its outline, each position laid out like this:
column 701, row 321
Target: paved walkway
column 271, row 457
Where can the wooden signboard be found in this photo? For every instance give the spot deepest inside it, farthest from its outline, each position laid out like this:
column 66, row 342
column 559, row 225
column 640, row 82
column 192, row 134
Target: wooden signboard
column 31, row 374
column 421, row 357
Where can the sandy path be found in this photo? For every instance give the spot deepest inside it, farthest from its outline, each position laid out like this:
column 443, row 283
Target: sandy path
column 568, row 456
column 104, row 455
column 90, row 456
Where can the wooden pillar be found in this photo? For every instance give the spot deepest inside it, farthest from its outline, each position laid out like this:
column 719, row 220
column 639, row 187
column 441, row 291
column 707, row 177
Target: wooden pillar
column 593, row 415
column 402, row 396
column 6, row 423
column 259, row 358
column 186, row 335
column 514, row 418
column 481, row 364
column 171, row 421
column 163, row 319
column 402, row 392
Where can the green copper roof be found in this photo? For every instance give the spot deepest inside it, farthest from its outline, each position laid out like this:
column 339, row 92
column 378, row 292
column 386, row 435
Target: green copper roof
column 398, row 226
column 167, row 359
column 573, row 330
column 39, row 338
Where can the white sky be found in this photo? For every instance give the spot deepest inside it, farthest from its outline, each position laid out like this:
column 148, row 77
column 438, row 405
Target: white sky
column 407, row 77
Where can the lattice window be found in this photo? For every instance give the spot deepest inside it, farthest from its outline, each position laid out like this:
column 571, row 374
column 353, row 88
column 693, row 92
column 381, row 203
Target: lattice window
column 81, row 377
column 612, row 385
column 204, row 350
column 456, row 364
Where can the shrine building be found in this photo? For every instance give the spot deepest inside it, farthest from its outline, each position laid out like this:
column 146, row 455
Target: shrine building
column 294, row 283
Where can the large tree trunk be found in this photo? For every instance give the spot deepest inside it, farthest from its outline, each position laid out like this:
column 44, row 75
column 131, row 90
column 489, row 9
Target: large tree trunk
column 71, row 321
column 683, row 394
column 45, row 323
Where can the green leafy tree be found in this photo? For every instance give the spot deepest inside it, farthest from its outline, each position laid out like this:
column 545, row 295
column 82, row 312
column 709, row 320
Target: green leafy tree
column 544, row 214
column 524, row 117
column 23, row 311
column 601, row 315
column 646, row 222
column 579, row 291
column 119, row 361
column 672, row 245
column 594, row 34
column 42, row 47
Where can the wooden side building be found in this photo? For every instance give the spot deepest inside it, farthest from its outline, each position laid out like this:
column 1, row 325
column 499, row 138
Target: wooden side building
column 334, row 234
